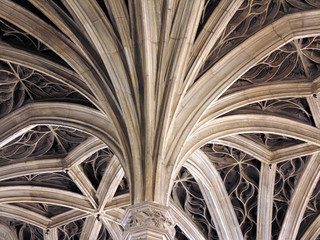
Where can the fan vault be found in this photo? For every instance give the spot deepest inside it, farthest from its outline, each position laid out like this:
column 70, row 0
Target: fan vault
column 159, row 119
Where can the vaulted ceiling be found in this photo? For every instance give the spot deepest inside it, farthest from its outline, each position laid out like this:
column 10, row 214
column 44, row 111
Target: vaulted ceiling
column 210, row 107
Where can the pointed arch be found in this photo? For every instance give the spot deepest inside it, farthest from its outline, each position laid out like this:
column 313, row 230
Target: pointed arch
column 249, row 123
column 92, row 75
column 215, row 195
column 238, row 124
column 218, row 78
column 66, row 114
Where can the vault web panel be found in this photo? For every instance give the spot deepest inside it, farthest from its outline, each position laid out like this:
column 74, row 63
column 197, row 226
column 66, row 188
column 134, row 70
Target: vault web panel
column 20, row 85
column 23, row 230
column 287, row 177
column 42, row 141
column 251, row 17
column 292, row 108
column 71, row 231
column 59, row 180
column 95, row 166
column 18, row 38
column 44, row 209
column 187, row 194
column 240, row 174
column 272, row 141
column 312, row 211
column 103, row 234
column 180, row 234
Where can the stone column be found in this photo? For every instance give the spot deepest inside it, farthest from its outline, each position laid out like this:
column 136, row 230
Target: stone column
column 148, row 221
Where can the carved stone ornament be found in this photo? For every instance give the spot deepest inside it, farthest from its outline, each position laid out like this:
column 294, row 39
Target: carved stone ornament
column 148, row 219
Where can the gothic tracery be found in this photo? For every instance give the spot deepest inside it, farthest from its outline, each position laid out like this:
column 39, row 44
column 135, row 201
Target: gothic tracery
column 170, row 119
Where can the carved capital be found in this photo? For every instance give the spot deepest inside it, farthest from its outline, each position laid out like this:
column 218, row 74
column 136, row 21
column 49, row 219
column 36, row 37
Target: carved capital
column 148, row 220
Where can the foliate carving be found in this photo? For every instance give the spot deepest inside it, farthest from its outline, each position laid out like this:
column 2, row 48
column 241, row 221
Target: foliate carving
column 95, row 165
column 240, row 174
column 287, row 177
column 20, row 85
column 272, row 141
column 148, row 216
column 294, row 108
column 41, row 141
column 251, row 17
column 15, row 36
column 71, row 231
column 186, row 193
column 296, row 60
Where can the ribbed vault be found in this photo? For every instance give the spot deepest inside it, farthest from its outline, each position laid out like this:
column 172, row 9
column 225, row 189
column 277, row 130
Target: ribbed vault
column 209, row 108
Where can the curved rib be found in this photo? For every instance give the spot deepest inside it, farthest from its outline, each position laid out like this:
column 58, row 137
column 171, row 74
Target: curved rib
column 25, row 215
column 84, row 184
column 104, row 38
column 66, row 114
column 208, row 36
column 218, row 78
column 249, row 123
column 246, row 145
column 215, row 195
column 185, row 223
column 295, row 151
column 67, row 217
column 94, row 77
column 13, row 194
column 47, row 67
column 32, row 166
column 110, row 181
column 175, row 52
column 84, row 150
column 255, row 94
column 247, row 54
column 66, row 24
column 90, row 229
column 313, row 231
column 300, row 198
column 113, row 228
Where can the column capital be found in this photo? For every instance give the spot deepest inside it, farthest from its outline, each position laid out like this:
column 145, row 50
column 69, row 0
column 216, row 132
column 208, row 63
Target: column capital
column 148, row 220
